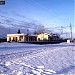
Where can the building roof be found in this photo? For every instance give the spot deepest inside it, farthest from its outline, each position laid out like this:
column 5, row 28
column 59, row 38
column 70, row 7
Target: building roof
column 44, row 33
column 15, row 34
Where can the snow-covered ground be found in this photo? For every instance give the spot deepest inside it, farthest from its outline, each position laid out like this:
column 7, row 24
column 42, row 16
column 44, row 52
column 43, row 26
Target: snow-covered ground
column 30, row 59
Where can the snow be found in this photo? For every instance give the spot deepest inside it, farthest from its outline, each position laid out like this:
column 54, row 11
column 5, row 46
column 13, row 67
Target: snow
column 30, row 59
column 7, row 63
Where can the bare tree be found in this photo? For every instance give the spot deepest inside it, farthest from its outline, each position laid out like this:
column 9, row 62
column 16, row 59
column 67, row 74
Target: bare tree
column 39, row 30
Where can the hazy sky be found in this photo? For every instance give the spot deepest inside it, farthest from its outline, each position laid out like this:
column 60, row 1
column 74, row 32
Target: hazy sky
column 48, row 12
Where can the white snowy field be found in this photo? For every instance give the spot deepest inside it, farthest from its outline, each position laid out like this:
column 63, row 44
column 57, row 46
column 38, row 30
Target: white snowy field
column 30, row 59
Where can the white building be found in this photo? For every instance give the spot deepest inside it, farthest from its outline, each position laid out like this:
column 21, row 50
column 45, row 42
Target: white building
column 24, row 38
column 43, row 36
column 16, row 37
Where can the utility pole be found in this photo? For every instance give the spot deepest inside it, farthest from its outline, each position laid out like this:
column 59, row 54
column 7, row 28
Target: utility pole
column 27, row 31
column 9, row 29
column 27, row 34
column 71, row 31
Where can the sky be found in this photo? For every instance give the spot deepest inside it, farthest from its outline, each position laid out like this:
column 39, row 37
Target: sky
column 50, row 13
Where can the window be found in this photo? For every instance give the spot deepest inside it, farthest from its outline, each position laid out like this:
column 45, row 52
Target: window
column 21, row 37
column 38, row 39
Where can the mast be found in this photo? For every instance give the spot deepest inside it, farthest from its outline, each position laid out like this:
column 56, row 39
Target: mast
column 71, row 31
